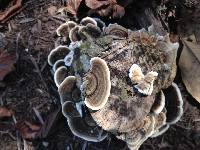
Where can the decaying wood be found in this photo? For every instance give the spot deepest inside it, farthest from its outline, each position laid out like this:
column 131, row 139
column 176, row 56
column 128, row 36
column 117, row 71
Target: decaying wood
column 4, row 15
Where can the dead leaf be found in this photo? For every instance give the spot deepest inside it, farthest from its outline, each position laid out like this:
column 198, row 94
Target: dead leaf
column 102, row 7
column 16, row 4
column 72, row 6
column 118, row 11
column 52, row 10
column 6, row 63
column 96, row 4
column 102, row 12
column 189, row 64
column 28, row 130
column 5, row 112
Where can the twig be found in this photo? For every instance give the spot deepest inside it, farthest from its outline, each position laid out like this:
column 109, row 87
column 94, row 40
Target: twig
column 38, row 115
column 43, row 67
column 38, row 71
column 12, row 11
column 17, row 134
column 25, row 145
column 17, row 45
column 57, row 18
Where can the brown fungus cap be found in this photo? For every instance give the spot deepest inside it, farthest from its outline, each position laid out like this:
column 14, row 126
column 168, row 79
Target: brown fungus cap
column 96, row 85
column 69, row 110
column 145, row 86
column 161, row 130
column 63, row 29
column 79, row 127
column 58, row 64
column 89, row 133
column 160, row 121
column 100, row 23
column 116, row 30
column 89, row 31
column 66, row 88
column 146, row 131
column 159, row 103
column 58, row 53
column 174, row 104
column 74, row 35
column 60, row 74
column 135, row 74
column 88, row 20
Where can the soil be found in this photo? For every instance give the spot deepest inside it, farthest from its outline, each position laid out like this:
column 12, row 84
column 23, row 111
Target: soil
column 31, row 34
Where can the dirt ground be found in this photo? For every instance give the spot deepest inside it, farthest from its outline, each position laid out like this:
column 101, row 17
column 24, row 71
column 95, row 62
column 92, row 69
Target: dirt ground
column 31, row 34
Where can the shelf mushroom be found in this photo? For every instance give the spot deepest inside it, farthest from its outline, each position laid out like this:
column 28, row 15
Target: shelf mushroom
column 118, row 82
column 88, row 20
column 58, row 53
column 96, row 85
column 60, row 74
column 63, row 29
column 174, row 105
column 66, row 87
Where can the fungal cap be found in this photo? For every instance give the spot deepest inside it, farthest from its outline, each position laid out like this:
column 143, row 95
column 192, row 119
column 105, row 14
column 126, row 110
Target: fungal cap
column 66, row 88
column 145, row 86
column 100, row 23
column 135, row 74
column 71, row 24
column 89, row 133
column 97, row 85
column 73, row 34
column 85, row 21
column 58, row 53
column 175, row 106
column 160, row 131
column 147, row 131
column 159, row 103
column 60, row 74
column 88, row 31
column 63, row 29
column 69, row 110
column 58, row 64
column 160, row 119
column 116, row 30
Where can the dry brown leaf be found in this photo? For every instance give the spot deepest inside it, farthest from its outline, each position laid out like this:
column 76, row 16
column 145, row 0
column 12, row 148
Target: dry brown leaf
column 5, row 112
column 10, row 10
column 189, row 64
column 118, row 11
column 28, row 130
column 102, row 7
column 52, row 10
column 96, row 4
column 72, row 6
column 6, row 63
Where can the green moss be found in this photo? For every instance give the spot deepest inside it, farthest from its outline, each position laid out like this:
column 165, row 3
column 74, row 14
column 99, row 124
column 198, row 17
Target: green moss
column 124, row 94
column 104, row 41
column 85, row 46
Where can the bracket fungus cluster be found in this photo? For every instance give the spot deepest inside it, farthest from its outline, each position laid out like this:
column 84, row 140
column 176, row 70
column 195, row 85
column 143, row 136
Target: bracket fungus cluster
column 114, row 80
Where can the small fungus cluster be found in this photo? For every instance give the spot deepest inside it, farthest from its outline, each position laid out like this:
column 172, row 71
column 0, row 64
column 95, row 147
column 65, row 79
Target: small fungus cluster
column 114, row 80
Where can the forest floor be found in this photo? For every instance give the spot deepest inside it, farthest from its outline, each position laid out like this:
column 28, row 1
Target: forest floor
column 30, row 89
